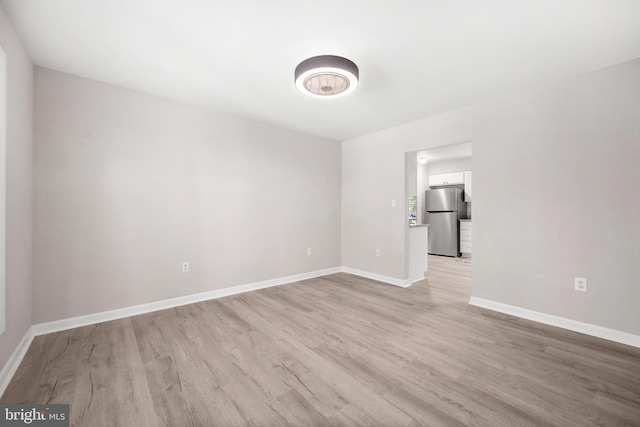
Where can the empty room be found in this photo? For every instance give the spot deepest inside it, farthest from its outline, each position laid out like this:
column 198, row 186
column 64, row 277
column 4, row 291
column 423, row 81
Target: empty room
column 354, row 213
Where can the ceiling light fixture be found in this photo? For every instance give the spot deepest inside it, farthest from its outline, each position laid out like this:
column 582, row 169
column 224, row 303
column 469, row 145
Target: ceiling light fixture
column 326, row 76
column 423, row 159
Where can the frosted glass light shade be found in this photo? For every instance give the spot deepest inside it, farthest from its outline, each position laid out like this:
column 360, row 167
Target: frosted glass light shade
column 326, row 76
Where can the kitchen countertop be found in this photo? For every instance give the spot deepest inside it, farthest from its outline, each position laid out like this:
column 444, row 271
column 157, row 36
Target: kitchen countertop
column 465, row 220
column 418, row 225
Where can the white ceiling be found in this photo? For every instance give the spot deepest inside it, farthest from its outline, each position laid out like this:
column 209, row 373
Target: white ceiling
column 416, row 58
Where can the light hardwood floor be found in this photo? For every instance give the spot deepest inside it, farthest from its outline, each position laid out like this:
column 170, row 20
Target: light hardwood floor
column 336, row 350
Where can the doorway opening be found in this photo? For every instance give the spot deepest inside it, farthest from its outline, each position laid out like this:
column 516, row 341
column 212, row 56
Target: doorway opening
column 435, row 176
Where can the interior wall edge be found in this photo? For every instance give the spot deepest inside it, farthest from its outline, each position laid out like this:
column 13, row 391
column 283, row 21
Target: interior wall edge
column 379, row 277
column 18, row 192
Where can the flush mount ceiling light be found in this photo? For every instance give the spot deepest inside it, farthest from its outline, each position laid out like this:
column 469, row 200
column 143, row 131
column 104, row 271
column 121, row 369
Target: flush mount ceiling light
column 326, row 76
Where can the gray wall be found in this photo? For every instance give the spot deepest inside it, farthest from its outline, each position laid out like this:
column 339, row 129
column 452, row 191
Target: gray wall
column 19, row 209
column 128, row 186
column 556, row 182
column 555, row 195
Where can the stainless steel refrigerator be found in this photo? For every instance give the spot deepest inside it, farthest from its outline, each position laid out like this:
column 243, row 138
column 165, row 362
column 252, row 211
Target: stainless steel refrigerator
column 445, row 206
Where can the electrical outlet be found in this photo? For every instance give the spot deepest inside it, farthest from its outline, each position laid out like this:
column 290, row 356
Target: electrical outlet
column 308, row 251
column 580, row 284
column 393, row 203
column 377, row 252
column 185, row 267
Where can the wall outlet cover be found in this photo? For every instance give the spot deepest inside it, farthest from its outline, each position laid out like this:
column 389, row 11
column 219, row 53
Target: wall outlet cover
column 580, row 284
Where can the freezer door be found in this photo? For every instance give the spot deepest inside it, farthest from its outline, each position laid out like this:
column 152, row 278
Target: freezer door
column 443, row 199
column 443, row 233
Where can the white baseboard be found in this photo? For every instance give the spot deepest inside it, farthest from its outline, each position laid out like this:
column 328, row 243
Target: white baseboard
column 14, row 361
column 11, row 366
column 105, row 316
column 560, row 322
column 378, row 277
column 411, row 282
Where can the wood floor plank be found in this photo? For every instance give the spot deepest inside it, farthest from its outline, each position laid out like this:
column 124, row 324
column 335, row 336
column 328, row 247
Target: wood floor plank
column 337, row 350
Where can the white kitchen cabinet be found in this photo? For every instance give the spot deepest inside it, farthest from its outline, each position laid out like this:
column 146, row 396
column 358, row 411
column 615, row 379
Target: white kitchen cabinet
column 467, row 186
column 465, row 237
column 446, row 179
